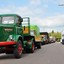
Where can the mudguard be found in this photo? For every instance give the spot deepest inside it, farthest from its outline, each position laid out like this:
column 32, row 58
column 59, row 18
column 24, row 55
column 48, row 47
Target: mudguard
column 15, row 38
column 10, row 42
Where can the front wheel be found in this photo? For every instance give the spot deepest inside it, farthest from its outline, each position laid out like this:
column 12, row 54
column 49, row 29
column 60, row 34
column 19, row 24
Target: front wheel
column 18, row 50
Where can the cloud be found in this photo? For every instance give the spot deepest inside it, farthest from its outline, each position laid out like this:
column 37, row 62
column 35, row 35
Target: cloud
column 55, row 20
column 23, row 11
column 4, row 11
column 49, row 21
column 60, row 1
column 35, row 2
column 57, row 2
column 35, row 15
column 31, row 12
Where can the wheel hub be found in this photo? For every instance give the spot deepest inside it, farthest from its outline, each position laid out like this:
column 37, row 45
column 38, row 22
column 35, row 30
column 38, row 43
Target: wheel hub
column 19, row 48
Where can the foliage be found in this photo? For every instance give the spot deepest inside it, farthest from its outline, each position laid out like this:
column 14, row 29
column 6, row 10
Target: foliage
column 36, row 29
column 57, row 35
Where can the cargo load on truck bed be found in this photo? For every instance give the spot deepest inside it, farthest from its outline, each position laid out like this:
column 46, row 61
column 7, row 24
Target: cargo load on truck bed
column 35, row 31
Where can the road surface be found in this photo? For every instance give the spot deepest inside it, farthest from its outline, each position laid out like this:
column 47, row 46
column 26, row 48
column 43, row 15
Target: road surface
column 49, row 54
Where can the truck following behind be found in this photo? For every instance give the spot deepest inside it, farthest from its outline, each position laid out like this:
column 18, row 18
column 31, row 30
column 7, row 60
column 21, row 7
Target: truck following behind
column 45, row 37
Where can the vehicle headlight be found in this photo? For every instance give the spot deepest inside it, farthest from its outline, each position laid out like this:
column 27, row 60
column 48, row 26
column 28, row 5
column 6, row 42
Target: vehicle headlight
column 10, row 37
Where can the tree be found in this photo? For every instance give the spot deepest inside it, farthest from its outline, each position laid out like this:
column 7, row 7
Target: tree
column 52, row 31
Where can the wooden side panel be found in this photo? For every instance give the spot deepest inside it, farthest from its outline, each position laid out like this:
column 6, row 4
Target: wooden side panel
column 37, row 38
column 25, row 30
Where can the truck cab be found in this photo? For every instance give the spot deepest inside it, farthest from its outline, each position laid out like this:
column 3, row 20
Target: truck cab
column 11, row 34
column 9, row 26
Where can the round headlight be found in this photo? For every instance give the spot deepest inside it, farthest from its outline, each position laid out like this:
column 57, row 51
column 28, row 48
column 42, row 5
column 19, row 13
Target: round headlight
column 10, row 37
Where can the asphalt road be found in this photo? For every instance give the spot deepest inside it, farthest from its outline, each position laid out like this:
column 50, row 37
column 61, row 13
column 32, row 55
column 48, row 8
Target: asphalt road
column 49, row 54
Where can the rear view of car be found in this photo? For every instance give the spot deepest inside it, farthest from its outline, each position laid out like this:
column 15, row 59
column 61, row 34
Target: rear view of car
column 52, row 39
column 62, row 38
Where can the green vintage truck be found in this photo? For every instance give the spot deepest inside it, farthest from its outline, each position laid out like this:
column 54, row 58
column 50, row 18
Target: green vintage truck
column 15, row 35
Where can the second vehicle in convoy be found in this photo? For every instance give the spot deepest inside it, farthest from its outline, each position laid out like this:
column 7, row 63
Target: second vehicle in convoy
column 45, row 37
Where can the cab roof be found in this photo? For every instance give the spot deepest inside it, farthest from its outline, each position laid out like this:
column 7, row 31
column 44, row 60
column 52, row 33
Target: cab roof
column 9, row 15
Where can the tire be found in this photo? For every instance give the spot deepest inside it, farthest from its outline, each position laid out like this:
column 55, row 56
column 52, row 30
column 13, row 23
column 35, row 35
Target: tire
column 39, row 46
column 33, row 47
column 18, row 50
column 42, row 43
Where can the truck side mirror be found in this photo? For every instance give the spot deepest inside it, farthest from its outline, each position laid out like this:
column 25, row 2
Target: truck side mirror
column 21, row 20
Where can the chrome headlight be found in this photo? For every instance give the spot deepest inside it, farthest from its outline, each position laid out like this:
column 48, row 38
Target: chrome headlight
column 10, row 37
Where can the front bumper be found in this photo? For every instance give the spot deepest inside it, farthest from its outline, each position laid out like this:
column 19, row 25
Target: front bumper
column 7, row 43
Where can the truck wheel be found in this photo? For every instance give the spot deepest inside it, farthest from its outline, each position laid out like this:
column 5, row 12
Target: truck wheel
column 39, row 46
column 33, row 48
column 18, row 50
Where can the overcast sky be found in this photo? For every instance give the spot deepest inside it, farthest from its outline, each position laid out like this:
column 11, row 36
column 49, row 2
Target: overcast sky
column 47, row 14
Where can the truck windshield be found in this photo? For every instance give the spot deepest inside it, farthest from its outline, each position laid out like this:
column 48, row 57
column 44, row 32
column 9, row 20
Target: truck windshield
column 8, row 20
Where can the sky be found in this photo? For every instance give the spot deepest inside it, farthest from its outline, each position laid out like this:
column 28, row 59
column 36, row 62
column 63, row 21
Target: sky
column 47, row 14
